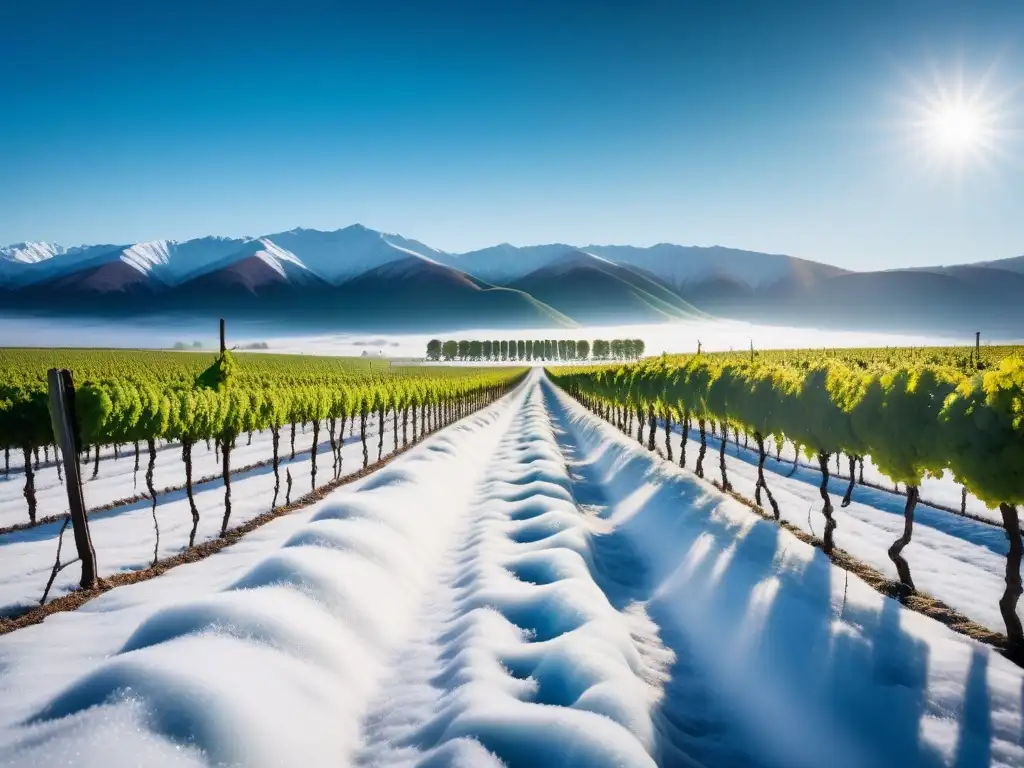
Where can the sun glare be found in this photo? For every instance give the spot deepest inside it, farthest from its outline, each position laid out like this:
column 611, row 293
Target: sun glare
column 956, row 120
column 957, row 127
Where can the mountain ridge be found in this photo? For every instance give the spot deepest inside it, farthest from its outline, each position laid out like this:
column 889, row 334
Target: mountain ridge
column 334, row 272
column 591, row 289
column 44, row 252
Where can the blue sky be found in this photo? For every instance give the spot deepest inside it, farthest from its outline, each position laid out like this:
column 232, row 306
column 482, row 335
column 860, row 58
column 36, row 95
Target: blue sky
column 781, row 127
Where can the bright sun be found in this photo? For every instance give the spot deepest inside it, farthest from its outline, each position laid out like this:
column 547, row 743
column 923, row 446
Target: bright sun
column 956, row 121
column 957, row 127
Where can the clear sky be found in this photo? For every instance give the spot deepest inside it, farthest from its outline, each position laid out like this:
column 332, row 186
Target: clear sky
column 773, row 126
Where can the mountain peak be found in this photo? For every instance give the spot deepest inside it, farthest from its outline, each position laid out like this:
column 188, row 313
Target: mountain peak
column 29, row 252
column 360, row 229
column 576, row 259
column 344, row 254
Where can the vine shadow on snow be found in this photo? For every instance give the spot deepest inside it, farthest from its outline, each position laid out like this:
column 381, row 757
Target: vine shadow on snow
column 755, row 649
column 991, row 537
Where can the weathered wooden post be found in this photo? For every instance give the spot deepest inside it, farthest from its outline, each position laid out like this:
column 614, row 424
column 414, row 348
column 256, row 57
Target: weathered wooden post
column 62, row 416
column 223, row 346
column 977, row 349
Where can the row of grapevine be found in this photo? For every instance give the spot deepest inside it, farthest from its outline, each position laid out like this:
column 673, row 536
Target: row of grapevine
column 912, row 421
column 962, row 358
column 23, row 397
column 547, row 349
column 220, row 405
column 223, row 402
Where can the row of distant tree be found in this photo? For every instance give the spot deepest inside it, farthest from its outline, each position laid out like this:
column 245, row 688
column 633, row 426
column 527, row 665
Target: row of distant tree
column 566, row 350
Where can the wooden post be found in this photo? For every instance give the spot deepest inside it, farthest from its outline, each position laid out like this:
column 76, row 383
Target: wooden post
column 223, row 346
column 977, row 349
column 62, row 416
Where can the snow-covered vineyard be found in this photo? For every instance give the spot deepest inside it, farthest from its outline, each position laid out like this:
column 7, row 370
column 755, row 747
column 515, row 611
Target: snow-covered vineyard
column 528, row 587
column 122, row 523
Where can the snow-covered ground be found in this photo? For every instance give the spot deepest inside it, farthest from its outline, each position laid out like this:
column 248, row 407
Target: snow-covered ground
column 944, row 491
column 117, row 478
column 955, row 559
column 528, row 587
column 124, row 537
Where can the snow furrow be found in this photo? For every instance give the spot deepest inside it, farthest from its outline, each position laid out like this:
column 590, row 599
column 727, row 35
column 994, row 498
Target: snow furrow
column 522, row 653
column 264, row 661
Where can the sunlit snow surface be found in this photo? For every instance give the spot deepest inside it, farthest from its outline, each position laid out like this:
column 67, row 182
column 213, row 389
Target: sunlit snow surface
column 529, row 587
column 124, row 536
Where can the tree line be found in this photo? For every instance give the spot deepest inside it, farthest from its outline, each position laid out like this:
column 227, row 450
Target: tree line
column 547, row 350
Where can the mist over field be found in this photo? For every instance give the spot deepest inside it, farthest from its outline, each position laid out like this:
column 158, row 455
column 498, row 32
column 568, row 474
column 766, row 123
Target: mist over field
column 714, row 335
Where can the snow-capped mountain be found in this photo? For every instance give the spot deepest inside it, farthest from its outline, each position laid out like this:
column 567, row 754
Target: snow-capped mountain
column 357, row 274
column 173, row 261
column 29, row 253
column 679, row 265
column 254, row 266
column 165, row 262
column 17, row 259
column 594, row 289
column 675, row 265
column 413, row 266
column 25, row 263
column 575, row 259
column 346, row 253
column 101, row 276
column 416, row 291
column 506, row 263
column 341, row 255
column 335, row 257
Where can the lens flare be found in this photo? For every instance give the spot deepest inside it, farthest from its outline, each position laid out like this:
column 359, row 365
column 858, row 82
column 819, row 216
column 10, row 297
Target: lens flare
column 959, row 121
column 957, row 127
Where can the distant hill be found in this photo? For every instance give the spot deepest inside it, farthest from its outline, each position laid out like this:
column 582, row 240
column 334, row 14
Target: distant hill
column 262, row 282
column 357, row 277
column 594, row 290
column 680, row 266
column 416, row 291
column 950, row 301
column 503, row 264
column 1013, row 264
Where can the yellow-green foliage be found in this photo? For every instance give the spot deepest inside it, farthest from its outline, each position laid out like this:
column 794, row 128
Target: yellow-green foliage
column 124, row 396
column 912, row 418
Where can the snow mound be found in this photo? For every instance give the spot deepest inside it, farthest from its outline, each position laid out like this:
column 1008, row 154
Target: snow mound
column 276, row 667
column 539, row 671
